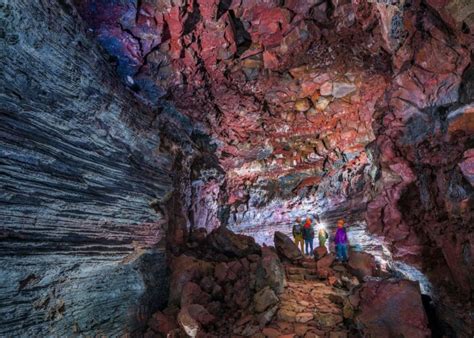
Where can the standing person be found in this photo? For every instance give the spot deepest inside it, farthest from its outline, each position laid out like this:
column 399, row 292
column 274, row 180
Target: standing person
column 341, row 241
column 322, row 236
column 298, row 234
column 308, row 236
column 322, row 233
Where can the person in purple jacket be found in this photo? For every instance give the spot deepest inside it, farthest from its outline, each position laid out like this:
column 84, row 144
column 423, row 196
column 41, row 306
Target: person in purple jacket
column 341, row 241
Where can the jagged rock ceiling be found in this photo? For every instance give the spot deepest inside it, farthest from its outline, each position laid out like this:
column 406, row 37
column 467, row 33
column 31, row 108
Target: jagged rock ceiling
column 245, row 112
column 319, row 106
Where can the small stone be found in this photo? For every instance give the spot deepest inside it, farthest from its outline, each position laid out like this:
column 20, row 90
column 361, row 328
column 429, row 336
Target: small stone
column 301, row 329
column 325, row 262
column 341, row 89
column 322, row 103
column 312, row 335
column 286, row 315
column 320, row 252
column 326, row 88
column 327, row 319
column 304, row 317
column 338, row 334
column 188, row 323
column 271, row 332
column 348, row 311
column 265, row 317
column 302, row 104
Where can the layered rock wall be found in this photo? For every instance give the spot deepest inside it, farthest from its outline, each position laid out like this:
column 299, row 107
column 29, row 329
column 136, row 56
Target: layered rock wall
column 80, row 164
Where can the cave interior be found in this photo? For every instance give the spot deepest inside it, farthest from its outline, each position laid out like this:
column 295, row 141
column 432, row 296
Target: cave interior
column 156, row 153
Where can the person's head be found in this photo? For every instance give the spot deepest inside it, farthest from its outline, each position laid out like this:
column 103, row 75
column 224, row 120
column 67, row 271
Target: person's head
column 298, row 219
column 340, row 223
column 308, row 221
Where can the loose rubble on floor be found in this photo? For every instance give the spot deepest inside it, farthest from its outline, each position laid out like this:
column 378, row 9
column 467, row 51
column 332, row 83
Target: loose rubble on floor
column 225, row 285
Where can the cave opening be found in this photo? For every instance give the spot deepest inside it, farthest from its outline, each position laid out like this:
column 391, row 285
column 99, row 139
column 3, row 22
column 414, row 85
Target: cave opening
column 156, row 154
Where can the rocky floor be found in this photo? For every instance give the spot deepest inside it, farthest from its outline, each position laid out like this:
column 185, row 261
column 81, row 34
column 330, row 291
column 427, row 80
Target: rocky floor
column 228, row 286
column 311, row 306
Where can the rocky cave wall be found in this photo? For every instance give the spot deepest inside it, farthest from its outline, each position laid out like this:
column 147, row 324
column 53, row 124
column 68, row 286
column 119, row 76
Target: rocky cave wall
column 354, row 108
column 328, row 107
column 87, row 171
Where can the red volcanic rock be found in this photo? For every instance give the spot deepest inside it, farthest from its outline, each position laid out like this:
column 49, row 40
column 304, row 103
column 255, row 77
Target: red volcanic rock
column 362, row 264
column 162, row 323
column 462, row 119
column 320, row 252
column 388, row 307
column 231, row 244
column 264, row 299
column 186, row 269
column 192, row 294
column 324, row 263
column 293, row 101
column 467, row 166
column 192, row 318
column 455, row 12
column 220, row 272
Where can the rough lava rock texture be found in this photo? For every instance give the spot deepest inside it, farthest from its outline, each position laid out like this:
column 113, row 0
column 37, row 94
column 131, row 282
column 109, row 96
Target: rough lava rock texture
column 391, row 308
column 235, row 113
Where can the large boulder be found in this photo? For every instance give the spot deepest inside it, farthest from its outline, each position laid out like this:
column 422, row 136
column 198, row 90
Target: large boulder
column 320, row 252
column 286, row 248
column 224, row 241
column 325, row 262
column 362, row 264
column 270, row 272
column 392, row 306
column 264, row 299
column 186, row 269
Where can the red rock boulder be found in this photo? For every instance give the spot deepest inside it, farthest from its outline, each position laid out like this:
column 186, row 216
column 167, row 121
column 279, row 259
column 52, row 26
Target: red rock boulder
column 392, row 308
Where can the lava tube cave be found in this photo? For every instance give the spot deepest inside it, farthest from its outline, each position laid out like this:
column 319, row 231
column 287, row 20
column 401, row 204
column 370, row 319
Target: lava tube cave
column 237, row 168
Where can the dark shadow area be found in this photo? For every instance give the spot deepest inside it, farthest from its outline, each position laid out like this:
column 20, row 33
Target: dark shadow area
column 242, row 37
column 193, row 18
column 223, row 7
column 438, row 328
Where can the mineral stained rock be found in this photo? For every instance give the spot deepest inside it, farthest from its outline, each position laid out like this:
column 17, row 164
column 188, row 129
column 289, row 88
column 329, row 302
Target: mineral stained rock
column 81, row 162
column 256, row 112
column 392, row 307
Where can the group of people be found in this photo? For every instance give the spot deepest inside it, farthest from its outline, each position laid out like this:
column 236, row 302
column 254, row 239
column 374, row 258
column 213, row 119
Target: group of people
column 304, row 233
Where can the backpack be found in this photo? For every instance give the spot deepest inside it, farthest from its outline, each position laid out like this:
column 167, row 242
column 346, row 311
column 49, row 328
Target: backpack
column 324, row 233
column 297, row 229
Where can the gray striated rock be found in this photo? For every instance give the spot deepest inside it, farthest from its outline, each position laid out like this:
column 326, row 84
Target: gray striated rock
column 80, row 164
column 341, row 89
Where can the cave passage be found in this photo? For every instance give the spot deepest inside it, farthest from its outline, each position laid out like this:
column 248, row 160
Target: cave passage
column 155, row 154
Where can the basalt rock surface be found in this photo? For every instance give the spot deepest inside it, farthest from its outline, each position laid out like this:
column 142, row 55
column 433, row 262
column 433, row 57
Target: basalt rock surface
column 86, row 171
column 321, row 106
column 223, row 296
column 237, row 113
